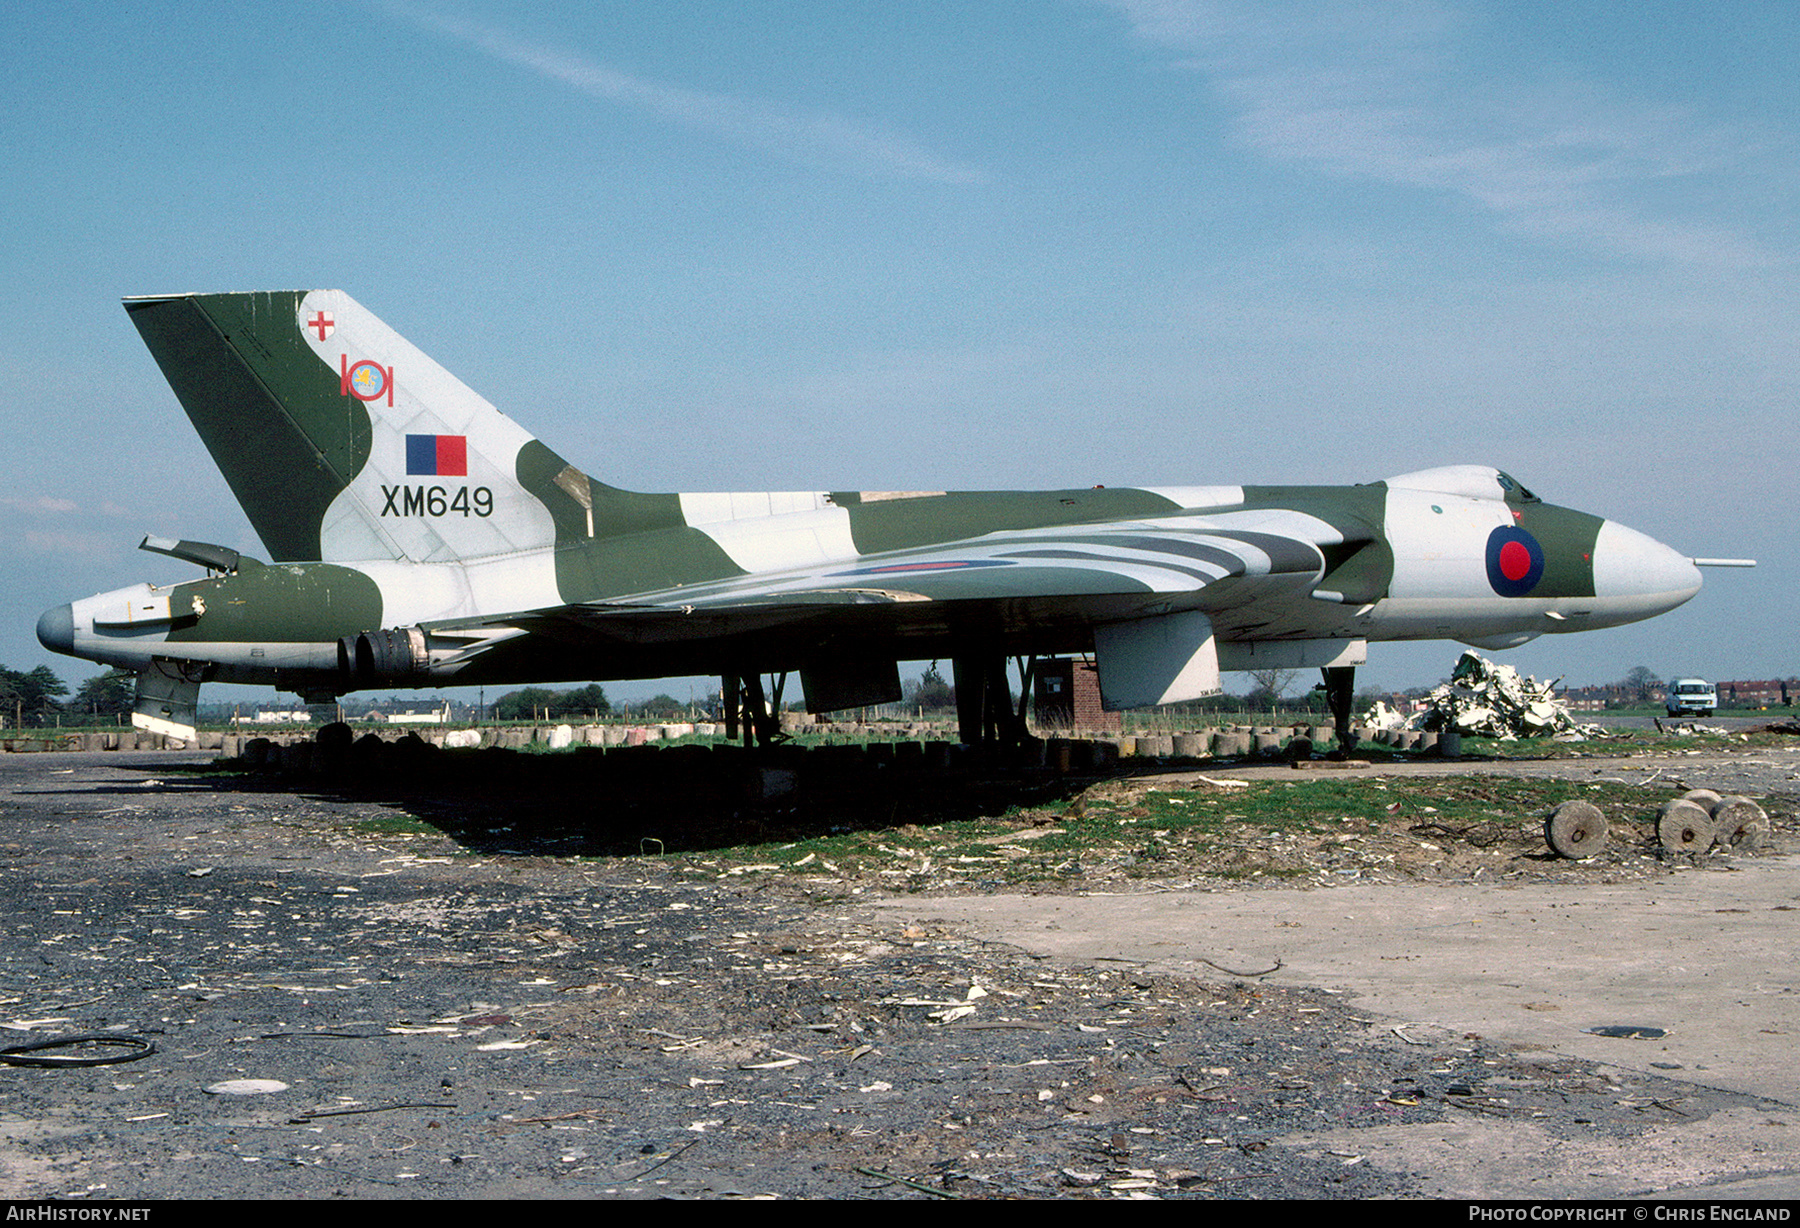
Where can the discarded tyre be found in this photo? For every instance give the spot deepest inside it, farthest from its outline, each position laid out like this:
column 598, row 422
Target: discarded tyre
column 1576, row 830
column 1683, row 827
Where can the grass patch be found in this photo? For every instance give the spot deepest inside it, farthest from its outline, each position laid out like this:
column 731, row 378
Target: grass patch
column 393, row 825
column 1623, row 742
column 1274, row 829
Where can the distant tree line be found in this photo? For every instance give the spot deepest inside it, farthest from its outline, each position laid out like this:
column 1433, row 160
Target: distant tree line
column 536, row 703
column 34, row 697
column 27, row 698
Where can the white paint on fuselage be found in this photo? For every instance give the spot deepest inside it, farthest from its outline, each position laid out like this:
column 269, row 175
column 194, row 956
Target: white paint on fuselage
column 772, row 530
column 1199, row 496
column 1282, row 521
column 446, row 523
column 1440, row 545
column 415, row 593
column 1628, row 563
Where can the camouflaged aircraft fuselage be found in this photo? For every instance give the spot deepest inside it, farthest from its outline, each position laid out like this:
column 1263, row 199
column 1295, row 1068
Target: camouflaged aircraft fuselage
column 420, row 537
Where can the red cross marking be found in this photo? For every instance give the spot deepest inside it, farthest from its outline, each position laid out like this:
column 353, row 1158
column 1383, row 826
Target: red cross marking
column 322, row 322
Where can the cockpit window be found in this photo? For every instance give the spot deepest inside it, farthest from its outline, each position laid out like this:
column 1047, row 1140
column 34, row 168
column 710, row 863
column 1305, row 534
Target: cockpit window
column 1515, row 493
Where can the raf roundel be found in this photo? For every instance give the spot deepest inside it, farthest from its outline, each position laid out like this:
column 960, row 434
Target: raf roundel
column 1515, row 561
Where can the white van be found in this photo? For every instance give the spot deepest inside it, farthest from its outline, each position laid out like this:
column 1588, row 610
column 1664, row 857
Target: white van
column 1691, row 697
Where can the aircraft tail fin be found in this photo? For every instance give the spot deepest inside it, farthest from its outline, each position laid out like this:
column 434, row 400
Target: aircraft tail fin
column 344, row 442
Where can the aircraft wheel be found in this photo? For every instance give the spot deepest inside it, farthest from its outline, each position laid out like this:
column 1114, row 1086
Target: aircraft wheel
column 1739, row 824
column 1683, row 827
column 1576, row 830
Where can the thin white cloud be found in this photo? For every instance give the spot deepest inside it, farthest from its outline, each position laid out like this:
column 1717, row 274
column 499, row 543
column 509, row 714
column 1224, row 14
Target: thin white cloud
column 790, row 132
column 1383, row 92
column 41, row 504
column 68, row 545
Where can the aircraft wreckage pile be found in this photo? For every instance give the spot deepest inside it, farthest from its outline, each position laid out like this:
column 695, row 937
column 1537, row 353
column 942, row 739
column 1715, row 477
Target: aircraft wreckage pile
column 1485, row 699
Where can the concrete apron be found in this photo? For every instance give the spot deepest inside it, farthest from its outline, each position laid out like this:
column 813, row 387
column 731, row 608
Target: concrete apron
column 1706, row 955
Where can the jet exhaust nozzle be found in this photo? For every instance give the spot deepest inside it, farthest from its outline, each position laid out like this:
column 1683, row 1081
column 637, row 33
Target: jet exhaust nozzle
column 397, row 656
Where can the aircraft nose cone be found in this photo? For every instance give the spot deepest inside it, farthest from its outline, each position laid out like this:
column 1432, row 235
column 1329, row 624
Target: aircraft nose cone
column 1629, row 564
column 56, row 629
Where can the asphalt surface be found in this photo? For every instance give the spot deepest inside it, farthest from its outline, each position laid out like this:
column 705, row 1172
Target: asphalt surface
column 466, row 1009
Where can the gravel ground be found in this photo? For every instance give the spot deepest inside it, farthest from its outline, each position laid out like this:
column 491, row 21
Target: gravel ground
column 471, row 1011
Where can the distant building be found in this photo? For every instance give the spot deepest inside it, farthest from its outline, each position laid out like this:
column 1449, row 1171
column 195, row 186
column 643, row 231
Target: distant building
column 395, row 711
column 1757, row 693
column 439, row 715
column 299, row 716
column 1600, row 698
column 1581, row 699
column 1746, row 693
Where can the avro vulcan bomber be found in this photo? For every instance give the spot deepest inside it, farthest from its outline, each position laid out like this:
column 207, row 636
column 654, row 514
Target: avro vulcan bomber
column 418, row 537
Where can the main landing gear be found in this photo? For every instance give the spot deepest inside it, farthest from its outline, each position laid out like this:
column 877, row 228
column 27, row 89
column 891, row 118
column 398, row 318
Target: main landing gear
column 985, row 714
column 1340, row 693
column 747, row 710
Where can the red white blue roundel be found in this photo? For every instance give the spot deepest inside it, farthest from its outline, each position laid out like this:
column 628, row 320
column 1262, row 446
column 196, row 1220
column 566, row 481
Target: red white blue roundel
column 1515, row 561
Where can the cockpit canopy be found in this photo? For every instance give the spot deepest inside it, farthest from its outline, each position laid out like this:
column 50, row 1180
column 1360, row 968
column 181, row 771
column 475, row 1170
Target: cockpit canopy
column 1469, row 481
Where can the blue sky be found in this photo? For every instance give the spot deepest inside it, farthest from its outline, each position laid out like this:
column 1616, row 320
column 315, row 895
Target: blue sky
column 922, row 246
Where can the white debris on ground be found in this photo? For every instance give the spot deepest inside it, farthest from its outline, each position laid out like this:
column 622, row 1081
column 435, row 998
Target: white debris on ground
column 1486, row 699
column 1383, row 717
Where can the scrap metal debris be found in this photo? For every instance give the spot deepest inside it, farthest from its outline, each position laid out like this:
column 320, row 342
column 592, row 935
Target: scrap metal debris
column 1693, row 729
column 246, row 1087
column 1486, row 699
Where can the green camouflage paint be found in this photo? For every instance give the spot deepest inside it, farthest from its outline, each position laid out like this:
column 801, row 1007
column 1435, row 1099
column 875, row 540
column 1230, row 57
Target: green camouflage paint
column 286, row 456
column 924, row 520
column 283, row 603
